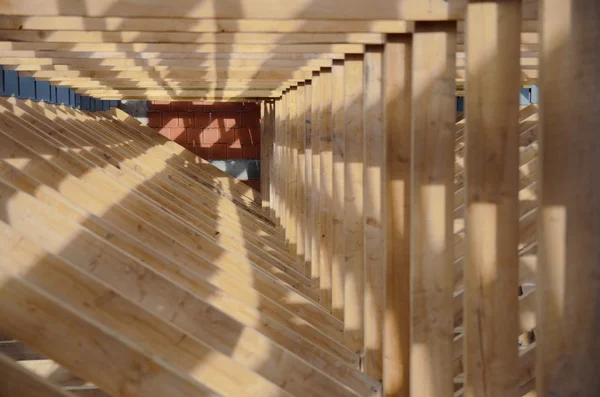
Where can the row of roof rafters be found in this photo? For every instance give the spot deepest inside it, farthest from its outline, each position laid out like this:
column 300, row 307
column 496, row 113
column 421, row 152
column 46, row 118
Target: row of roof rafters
column 186, row 50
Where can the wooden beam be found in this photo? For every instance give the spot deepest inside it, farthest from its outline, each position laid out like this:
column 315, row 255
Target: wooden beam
column 176, row 47
column 568, row 269
column 292, row 172
column 87, row 36
column 251, row 9
column 301, row 176
column 337, row 203
column 266, row 153
column 397, row 123
column 308, row 207
column 353, row 203
column 277, row 162
column 167, row 55
column 171, row 64
column 433, row 117
column 117, row 362
column 221, row 25
column 166, row 76
column 492, row 186
column 375, row 210
column 315, row 219
column 325, row 190
column 17, row 380
column 284, row 161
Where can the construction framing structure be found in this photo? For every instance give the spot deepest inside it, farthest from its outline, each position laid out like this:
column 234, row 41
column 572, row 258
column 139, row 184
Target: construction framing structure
column 398, row 249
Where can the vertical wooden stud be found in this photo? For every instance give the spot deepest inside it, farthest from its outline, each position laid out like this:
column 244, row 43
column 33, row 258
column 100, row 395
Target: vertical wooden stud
column 325, row 210
column 492, row 185
column 397, row 120
column 308, row 231
column 284, row 162
column 338, row 152
column 277, row 163
column 266, row 139
column 292, row 170
column 300, row 175
column 374, row 210
column 315, row 220
column 353, row 204
column 433, row 117
column 568, row 346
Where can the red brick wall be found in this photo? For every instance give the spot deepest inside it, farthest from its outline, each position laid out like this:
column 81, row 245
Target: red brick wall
column 212, row 130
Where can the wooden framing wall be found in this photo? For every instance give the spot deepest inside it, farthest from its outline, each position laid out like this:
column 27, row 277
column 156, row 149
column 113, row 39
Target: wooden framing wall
column 397, row 250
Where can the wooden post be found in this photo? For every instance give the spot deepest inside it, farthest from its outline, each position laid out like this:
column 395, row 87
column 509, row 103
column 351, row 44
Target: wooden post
column 568, row 346
column 266, row 139
column 491, row 320
column 353, row 208
column 308, row 231
column 397, row 121
column 325, row 210
column 315, row 219
column 374, row 210
column 300, row 175
column 292, row 170
column 433, row 117
column 277, row 163
column 338, row 152
column 284, row 162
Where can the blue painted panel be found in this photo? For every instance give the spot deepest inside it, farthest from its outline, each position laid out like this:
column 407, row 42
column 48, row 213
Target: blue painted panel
column 27, row 88
column 92, row 104
column 11, row 83
column 71, row 98
column 535, row 94
column 42, row 91
column 53, row 94
column 525, row 96
column 460, row 104
column 77, row 101
column 1, row 79
column 105, row 105
column 62, row 95
column 98, row 105
column 114, row 104
column 85, row 102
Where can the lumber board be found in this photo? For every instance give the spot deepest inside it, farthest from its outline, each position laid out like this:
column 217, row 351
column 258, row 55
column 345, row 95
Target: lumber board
column 568, row 283
column 173, row 64
column 492, row 186
column 132, row 36
column 354, row 283
column 433, row 115
column 300, row 176
column 181, row 47
column 57, row 330
column 17, row 381
column 375, row 210
column 263, row 9
column 111, row 24
column 168, row 55
column 314, row 221
column 292, row 172
column 326, row 186
column 397, row 123
column 308, row 208
column 337, row 190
